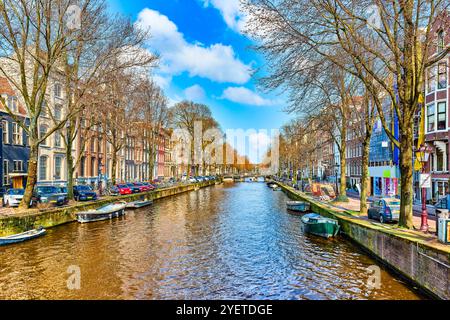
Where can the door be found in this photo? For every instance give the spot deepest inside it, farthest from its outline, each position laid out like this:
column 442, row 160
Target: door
column 17, row 182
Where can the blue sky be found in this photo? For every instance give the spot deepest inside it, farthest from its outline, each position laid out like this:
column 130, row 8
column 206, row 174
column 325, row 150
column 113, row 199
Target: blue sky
column 206, row 58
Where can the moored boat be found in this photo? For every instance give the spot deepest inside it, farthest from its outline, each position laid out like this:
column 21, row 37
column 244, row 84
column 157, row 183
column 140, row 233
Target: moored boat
column 139, row 204
column 277, row 188
column 320, row 226
column 107, row 212
column 298, row 206
column 228, row 179
column 21, row 237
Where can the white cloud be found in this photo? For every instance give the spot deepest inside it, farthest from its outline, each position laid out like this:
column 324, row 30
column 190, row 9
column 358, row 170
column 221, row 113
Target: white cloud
column 245, row 96
column 230, row 11
column 217, row 62
column 194, row 93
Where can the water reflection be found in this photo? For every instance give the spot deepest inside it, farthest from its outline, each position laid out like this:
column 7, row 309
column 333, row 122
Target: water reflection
column 224, row 242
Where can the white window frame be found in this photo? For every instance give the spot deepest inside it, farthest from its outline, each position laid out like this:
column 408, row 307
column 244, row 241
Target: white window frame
column 5, row 172
column 18, row 165
column 5, row 131
column 60, row 158
column 17, row 135
column 40, row 171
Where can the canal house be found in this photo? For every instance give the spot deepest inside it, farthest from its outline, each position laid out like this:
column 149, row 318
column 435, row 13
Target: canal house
column 437, row 123
column 14, row 147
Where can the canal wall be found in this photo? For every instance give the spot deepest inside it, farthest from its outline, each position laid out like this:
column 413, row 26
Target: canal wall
column 416, row 257
column 48, row 218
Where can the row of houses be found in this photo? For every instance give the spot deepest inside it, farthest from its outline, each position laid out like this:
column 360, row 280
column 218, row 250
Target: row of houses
column 384, row 157
column 95, row 163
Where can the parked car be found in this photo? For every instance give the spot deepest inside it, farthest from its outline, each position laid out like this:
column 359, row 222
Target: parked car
column 142, row 187
column 385, row 210
column 13, row 197
column 114, row 191
column 192, row 180
column 149, row 186
column 124, row 189
column 84, row 193
column 49, row 194
column 134, row 189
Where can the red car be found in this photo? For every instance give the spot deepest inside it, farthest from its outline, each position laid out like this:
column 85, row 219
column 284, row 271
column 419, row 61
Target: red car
column 124, row 189
column 142, row 187
column 149, row 186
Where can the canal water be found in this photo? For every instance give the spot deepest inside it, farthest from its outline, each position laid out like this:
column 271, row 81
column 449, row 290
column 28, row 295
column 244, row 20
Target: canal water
column 223, row 242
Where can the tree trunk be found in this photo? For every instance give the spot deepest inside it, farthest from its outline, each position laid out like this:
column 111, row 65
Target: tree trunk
column 32, row 177
column 343, row 183
column 365, row 179
column 114, row 167
column 70, row 166
column 70, row 171
column 406, row 187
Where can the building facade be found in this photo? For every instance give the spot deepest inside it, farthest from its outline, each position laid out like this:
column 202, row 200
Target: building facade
column 14, row 148
column 437, row 129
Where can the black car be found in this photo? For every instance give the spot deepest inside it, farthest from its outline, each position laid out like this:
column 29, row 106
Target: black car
column 84, row 193
column 50, row 195
column 134, row 189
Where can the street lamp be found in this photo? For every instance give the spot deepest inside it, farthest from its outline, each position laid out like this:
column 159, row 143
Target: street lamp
column 423, row 155
column 336, row 171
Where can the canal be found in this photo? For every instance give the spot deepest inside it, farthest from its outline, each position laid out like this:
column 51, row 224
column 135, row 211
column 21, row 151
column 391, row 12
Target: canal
column 223, row 242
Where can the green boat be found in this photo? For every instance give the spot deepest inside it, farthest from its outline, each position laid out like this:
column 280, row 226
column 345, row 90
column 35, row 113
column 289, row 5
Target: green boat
column 320, row 226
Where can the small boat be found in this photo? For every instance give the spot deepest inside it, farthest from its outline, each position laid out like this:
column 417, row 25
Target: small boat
column 107, row 212
column 228, row 179
column 298, row 206
column 20, row 237
column 277, row 188
column 139, row 204
column 320, row 226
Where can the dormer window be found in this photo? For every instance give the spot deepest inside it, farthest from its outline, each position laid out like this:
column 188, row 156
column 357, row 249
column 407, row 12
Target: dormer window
column 13, row 104
column 440, row 41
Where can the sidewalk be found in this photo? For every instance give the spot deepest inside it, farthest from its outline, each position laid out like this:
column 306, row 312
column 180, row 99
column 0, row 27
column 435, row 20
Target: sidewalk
column 354, row 205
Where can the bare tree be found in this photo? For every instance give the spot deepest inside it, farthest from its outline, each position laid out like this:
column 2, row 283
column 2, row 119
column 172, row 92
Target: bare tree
column 389, row 45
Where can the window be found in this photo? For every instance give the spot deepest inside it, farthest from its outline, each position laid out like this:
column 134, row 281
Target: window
column 430, row 118
column 431, row 84
column 42, row 133
column 16, row 134
column 442, row 116
column 5, row 172
column 58, row 112
column 442, row 76
column 439, row 160
column 44, row 109
column 57, row 139
column 441, row 41
column 58, row 168
column 12, row 104
column 18, row 165
column 5, row 131
column 42, row 168
column 57, row 90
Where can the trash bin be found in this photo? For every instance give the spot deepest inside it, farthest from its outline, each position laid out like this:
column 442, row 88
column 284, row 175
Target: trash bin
column 443, row 225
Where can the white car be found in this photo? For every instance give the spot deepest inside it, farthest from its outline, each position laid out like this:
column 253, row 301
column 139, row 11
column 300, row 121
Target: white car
column 13, row 197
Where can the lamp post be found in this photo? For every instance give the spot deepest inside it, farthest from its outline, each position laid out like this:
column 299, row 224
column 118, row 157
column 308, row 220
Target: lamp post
column 423, row 155
column 336, row 166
